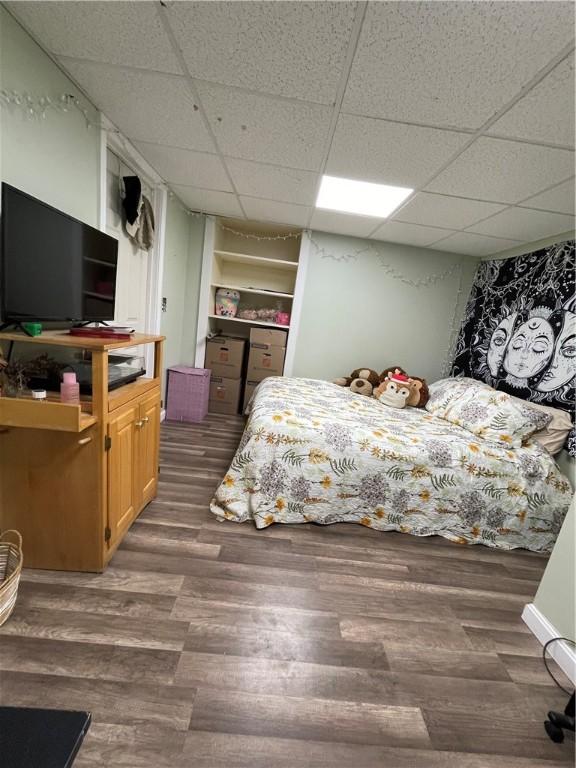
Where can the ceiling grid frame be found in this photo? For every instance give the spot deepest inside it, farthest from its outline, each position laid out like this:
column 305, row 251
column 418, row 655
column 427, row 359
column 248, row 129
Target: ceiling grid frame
column 481, row 132
column 553, row 204
column 161, row 11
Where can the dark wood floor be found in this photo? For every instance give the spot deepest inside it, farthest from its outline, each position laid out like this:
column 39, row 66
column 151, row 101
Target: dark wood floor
column 213, row 645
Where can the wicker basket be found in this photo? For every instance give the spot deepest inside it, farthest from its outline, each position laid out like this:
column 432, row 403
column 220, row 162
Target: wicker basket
column 10, row 569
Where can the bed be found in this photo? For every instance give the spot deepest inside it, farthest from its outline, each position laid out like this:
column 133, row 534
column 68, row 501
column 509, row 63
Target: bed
column 315, row 452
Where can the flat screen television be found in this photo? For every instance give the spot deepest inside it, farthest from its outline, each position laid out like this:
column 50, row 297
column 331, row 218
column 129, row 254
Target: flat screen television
column 52, row 266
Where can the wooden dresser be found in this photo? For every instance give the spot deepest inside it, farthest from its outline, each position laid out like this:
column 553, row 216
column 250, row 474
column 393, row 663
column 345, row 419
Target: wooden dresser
column 74, row 477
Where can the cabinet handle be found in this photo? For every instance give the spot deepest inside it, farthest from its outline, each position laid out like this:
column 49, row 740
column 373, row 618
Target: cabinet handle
column 139, row 424
column 145, row 420
column 85, row 441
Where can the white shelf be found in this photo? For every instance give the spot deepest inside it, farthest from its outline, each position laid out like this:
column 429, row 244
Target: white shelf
column 260, row 261
column 259, row 291
column 250, row 322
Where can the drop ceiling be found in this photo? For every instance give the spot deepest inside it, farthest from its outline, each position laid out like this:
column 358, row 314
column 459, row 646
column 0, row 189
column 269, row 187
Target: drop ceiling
column 242, row 106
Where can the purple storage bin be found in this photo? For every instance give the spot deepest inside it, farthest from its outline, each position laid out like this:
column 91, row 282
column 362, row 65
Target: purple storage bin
column 187, row 393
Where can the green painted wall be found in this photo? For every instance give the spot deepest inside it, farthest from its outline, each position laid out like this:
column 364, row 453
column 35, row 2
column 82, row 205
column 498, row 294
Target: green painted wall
column 181, row 283
column 556, row 596
column 356, row 314
column 56, row 159
column 195, row 246
column 174, row 280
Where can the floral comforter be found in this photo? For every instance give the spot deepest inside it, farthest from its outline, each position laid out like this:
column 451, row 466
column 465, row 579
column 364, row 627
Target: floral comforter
column 315, row 452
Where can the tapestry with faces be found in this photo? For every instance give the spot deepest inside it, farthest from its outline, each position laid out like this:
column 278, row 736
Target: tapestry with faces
column 519, row 328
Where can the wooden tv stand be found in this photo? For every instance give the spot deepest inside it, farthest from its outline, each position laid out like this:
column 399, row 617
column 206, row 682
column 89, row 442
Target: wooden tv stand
column 74, row 477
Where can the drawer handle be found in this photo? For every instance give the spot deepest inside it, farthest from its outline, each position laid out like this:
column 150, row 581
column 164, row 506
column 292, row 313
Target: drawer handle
column 85, row 441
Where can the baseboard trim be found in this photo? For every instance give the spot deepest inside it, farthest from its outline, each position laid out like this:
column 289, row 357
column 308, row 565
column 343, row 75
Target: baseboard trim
column 564, row 654
column 163, row 414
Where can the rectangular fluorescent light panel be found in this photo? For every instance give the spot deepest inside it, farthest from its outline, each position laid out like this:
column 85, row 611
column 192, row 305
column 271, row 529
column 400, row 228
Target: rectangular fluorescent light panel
column 361, row 197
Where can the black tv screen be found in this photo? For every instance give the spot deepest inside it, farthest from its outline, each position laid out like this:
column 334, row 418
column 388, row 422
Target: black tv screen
column 53, row 267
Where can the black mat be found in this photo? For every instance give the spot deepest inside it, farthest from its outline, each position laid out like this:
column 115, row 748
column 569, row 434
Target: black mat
column 40, row 738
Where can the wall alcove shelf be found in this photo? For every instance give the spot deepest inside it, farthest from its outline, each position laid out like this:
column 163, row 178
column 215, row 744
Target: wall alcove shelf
column 259, row 323
column 264, row 263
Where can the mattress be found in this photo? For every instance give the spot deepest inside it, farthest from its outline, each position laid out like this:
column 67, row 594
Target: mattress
column 313, row 452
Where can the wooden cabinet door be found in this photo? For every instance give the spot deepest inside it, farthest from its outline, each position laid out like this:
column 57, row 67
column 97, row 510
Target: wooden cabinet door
column 123, row 491
column 50, row 492
column 149, row 444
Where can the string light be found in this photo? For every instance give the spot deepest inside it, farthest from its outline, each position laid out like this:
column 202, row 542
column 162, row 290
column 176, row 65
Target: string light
column 187, row 211
column 252, row 236
column 38, row 107
column 421, row 282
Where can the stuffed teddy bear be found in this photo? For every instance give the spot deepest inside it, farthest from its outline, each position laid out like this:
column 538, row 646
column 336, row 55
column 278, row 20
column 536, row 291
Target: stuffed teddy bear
column 362, row 381
column 394, row 390
column 419, row 394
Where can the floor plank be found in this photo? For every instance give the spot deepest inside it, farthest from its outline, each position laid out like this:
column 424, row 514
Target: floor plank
column 308, row 718
column 287, row 678
column 406, row 633
column 216, row 645
column 226, row 750
column 290, row 646
column 478, row 732
column 169, row 706
column 447, row 662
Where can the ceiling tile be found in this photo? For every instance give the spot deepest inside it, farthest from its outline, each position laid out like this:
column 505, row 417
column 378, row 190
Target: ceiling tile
column 390, row 153
column 290, row 49
column 525, row 224
column 343, row 223
column 559, row 199
column 451, row 63
column 143, row 105
column 474, row 245
column 283, row 184
column 503, row 171
column 546, row 113
column 444, row 211
column 410, row 234
column 111, row 32
column 209, row 201
column 183, row 166
column 269, row 210
column 254, row 127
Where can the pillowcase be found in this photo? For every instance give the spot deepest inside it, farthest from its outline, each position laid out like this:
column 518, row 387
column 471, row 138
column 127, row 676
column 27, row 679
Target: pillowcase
column 554, row 435
column 487, row 413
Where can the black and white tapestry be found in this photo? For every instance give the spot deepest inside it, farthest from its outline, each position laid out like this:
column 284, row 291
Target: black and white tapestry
column 519, row 328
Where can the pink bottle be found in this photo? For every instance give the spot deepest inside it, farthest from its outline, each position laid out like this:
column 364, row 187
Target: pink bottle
column 69, row 389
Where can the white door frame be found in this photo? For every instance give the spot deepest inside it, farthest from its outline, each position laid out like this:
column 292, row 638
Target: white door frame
column 111, row 138
column 297, row 302
column 204, row 296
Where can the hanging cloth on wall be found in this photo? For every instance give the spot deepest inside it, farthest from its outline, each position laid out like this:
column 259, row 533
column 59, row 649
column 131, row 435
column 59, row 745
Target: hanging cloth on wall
column 131, row 198
column 519, row 329
column 141, row 232
column 139, row 215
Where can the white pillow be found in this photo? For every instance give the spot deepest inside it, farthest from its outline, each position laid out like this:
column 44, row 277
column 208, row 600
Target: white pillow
column 553, row 436
column 487, row 413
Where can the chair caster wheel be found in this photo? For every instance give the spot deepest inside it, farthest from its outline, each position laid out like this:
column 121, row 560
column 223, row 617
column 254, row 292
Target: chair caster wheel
column 555, row 733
